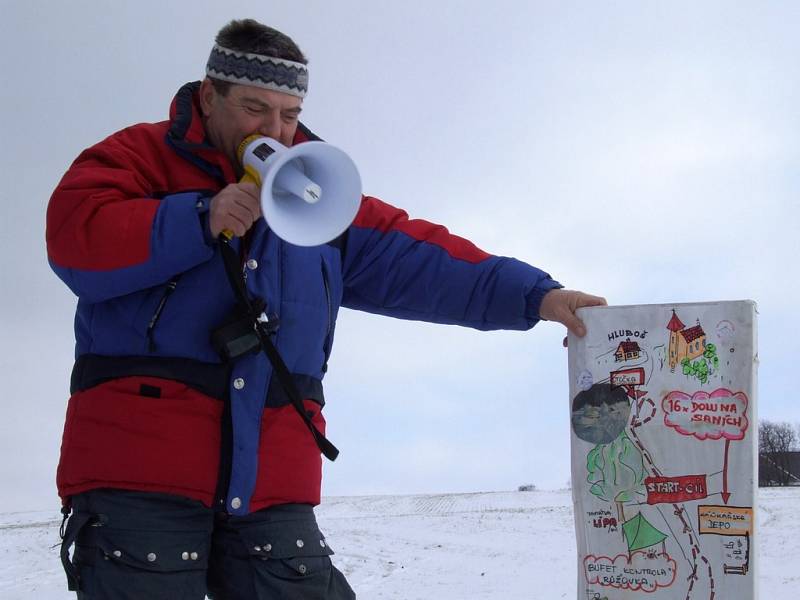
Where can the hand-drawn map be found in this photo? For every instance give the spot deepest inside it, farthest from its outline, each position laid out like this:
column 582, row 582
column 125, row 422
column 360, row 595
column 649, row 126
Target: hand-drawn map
column 664, row 435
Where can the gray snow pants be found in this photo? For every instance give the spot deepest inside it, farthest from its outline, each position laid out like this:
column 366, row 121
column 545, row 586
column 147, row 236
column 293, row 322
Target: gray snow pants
column 149, row 546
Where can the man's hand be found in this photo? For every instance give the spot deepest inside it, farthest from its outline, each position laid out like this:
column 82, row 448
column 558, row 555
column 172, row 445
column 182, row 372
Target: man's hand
column 234, row 209
column 560, row 306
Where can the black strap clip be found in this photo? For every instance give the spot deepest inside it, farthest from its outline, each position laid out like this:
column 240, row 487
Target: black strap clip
column 268, row 323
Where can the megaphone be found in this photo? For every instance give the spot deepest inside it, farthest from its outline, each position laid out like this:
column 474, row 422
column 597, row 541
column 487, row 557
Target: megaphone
column 310, row 193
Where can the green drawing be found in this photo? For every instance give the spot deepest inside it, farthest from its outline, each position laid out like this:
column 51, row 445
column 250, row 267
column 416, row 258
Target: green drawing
column 616, row 472
column 640, row 534
column 711, row 356
column 702, row 367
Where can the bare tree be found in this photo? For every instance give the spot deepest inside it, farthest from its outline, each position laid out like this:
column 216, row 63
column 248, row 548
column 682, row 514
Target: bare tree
column 776, row 441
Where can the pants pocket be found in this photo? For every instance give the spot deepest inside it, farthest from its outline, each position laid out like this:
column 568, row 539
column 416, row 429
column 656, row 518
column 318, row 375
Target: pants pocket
column 286, row 559
column 128, row 564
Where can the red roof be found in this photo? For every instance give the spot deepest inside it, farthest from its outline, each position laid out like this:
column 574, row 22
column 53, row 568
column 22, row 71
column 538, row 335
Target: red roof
column 675, row 323
column 692, row 333
column 629, row 346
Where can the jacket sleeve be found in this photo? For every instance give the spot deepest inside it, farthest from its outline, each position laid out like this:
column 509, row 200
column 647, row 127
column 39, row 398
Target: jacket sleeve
column 107, row 233
column 413, row 269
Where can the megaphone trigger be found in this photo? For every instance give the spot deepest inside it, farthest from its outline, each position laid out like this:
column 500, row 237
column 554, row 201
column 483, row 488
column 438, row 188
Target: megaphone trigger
column 251, row 176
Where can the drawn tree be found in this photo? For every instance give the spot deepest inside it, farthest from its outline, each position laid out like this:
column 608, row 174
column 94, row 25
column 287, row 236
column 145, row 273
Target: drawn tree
column 703, row 366
column 616, row 472
column 710, row 354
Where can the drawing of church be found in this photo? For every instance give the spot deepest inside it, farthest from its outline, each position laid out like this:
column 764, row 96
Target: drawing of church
column 627, row 350
column 684, row 342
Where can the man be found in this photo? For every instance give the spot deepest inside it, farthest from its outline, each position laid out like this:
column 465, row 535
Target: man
column 189, row 467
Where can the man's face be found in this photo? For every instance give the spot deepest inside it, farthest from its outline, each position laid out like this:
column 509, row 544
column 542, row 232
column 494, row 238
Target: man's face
column 246, row 111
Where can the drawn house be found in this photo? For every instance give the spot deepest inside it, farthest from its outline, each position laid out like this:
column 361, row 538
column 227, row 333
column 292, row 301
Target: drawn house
column 627, row 350
column 684, row 342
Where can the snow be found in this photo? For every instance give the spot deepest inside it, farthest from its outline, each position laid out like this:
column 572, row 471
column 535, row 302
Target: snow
column 498, row 545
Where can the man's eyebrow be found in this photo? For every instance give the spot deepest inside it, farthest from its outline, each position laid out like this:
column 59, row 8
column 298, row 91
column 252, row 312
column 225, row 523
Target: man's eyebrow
column 295, row 109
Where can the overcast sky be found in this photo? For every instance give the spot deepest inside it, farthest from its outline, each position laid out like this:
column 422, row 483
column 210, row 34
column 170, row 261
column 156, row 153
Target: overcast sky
column 644, row 151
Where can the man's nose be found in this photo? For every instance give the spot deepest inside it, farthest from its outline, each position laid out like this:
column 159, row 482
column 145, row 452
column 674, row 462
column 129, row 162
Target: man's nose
column 270, row 126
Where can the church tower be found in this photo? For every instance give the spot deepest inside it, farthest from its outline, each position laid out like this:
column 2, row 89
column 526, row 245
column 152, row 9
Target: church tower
column 674, row 326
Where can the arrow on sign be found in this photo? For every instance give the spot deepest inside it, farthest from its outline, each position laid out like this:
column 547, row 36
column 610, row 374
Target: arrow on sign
column 725, row 494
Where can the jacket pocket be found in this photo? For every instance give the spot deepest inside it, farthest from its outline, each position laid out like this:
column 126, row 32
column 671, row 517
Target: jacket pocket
column 290, row 464
column 119, row 434
column 151, row 325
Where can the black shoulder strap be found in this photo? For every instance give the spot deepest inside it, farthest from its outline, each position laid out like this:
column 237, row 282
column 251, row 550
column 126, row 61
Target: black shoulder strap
column 233, row 270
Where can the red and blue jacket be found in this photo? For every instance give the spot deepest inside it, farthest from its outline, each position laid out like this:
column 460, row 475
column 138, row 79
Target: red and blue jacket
column 153, row 407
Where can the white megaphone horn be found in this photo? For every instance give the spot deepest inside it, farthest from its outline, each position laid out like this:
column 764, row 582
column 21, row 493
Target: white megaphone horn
column 310, row 193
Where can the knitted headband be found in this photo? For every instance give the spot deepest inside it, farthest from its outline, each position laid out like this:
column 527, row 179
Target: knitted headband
column 257, row 70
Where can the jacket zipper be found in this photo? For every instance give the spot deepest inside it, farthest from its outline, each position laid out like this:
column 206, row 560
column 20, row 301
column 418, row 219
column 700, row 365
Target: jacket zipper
column 326, row 347
column 151, row 326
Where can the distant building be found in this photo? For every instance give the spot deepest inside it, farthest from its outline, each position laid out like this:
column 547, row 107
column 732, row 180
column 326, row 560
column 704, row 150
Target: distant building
column 627, row 350
column 785, row 467
column 684, row 342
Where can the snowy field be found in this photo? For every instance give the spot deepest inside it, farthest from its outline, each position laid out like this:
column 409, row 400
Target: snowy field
column 500, row 545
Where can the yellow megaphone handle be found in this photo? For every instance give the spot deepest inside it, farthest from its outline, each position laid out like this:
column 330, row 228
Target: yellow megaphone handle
column 250, row 176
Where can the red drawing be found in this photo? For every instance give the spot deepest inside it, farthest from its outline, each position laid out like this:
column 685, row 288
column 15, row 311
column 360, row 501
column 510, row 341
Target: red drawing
column 641, row 571
column 722, row 413
column 669, row 490
column 725, row 493
column 684, row 342
column 628, row 379
column 627, row 350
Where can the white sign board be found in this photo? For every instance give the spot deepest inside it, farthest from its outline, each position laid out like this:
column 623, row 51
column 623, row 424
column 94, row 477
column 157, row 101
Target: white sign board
column 664, row 458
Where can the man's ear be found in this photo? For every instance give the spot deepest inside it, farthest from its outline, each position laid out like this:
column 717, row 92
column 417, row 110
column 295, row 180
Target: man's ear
column 208, row 96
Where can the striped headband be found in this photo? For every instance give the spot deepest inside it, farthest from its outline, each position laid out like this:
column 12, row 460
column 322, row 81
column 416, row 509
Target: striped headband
column 257, row 70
